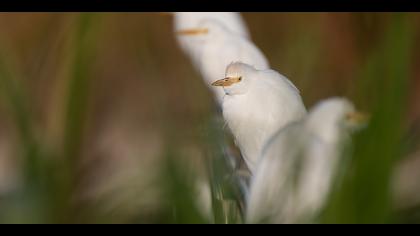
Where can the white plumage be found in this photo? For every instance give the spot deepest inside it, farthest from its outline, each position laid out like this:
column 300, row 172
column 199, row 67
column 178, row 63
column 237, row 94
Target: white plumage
column 221, row 46
column 257, row 104
column 188, row 20
column 298, row 164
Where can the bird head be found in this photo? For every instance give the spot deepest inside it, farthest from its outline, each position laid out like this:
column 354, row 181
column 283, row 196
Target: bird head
column 238, row 78
column 331, row 117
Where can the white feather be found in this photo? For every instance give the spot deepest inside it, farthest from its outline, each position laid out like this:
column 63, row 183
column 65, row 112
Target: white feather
column 255, row 108
column 222, row 47
column 187, row 20
column 282, row 193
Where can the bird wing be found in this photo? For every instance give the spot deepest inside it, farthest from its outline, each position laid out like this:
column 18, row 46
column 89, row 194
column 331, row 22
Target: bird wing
column 270, row 196
column 311, row 180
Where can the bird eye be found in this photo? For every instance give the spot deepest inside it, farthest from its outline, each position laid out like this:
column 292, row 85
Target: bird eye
column 240, row 78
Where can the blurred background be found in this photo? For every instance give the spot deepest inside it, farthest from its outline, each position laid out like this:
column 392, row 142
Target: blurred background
column 104, row 120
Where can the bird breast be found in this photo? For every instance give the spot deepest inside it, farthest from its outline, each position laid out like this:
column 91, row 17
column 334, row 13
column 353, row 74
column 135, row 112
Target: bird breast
column 254, row 117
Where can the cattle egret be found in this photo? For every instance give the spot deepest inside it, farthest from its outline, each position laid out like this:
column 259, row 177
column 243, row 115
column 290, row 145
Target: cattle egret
column 298, row 164
column 189, row 20
column 220, row 47
column 257, row 103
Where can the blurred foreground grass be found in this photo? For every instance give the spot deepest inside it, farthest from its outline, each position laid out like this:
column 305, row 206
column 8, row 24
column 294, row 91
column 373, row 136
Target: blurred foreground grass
column 75, row 166
column 365, row 195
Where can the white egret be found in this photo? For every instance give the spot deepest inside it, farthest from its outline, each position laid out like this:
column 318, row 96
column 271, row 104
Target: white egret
column 220, row 47
column 188, row 20
column 298, row 164
column 257, row 103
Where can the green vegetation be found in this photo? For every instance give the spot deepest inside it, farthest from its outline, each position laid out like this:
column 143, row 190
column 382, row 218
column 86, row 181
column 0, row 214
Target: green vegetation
column 123, row 73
